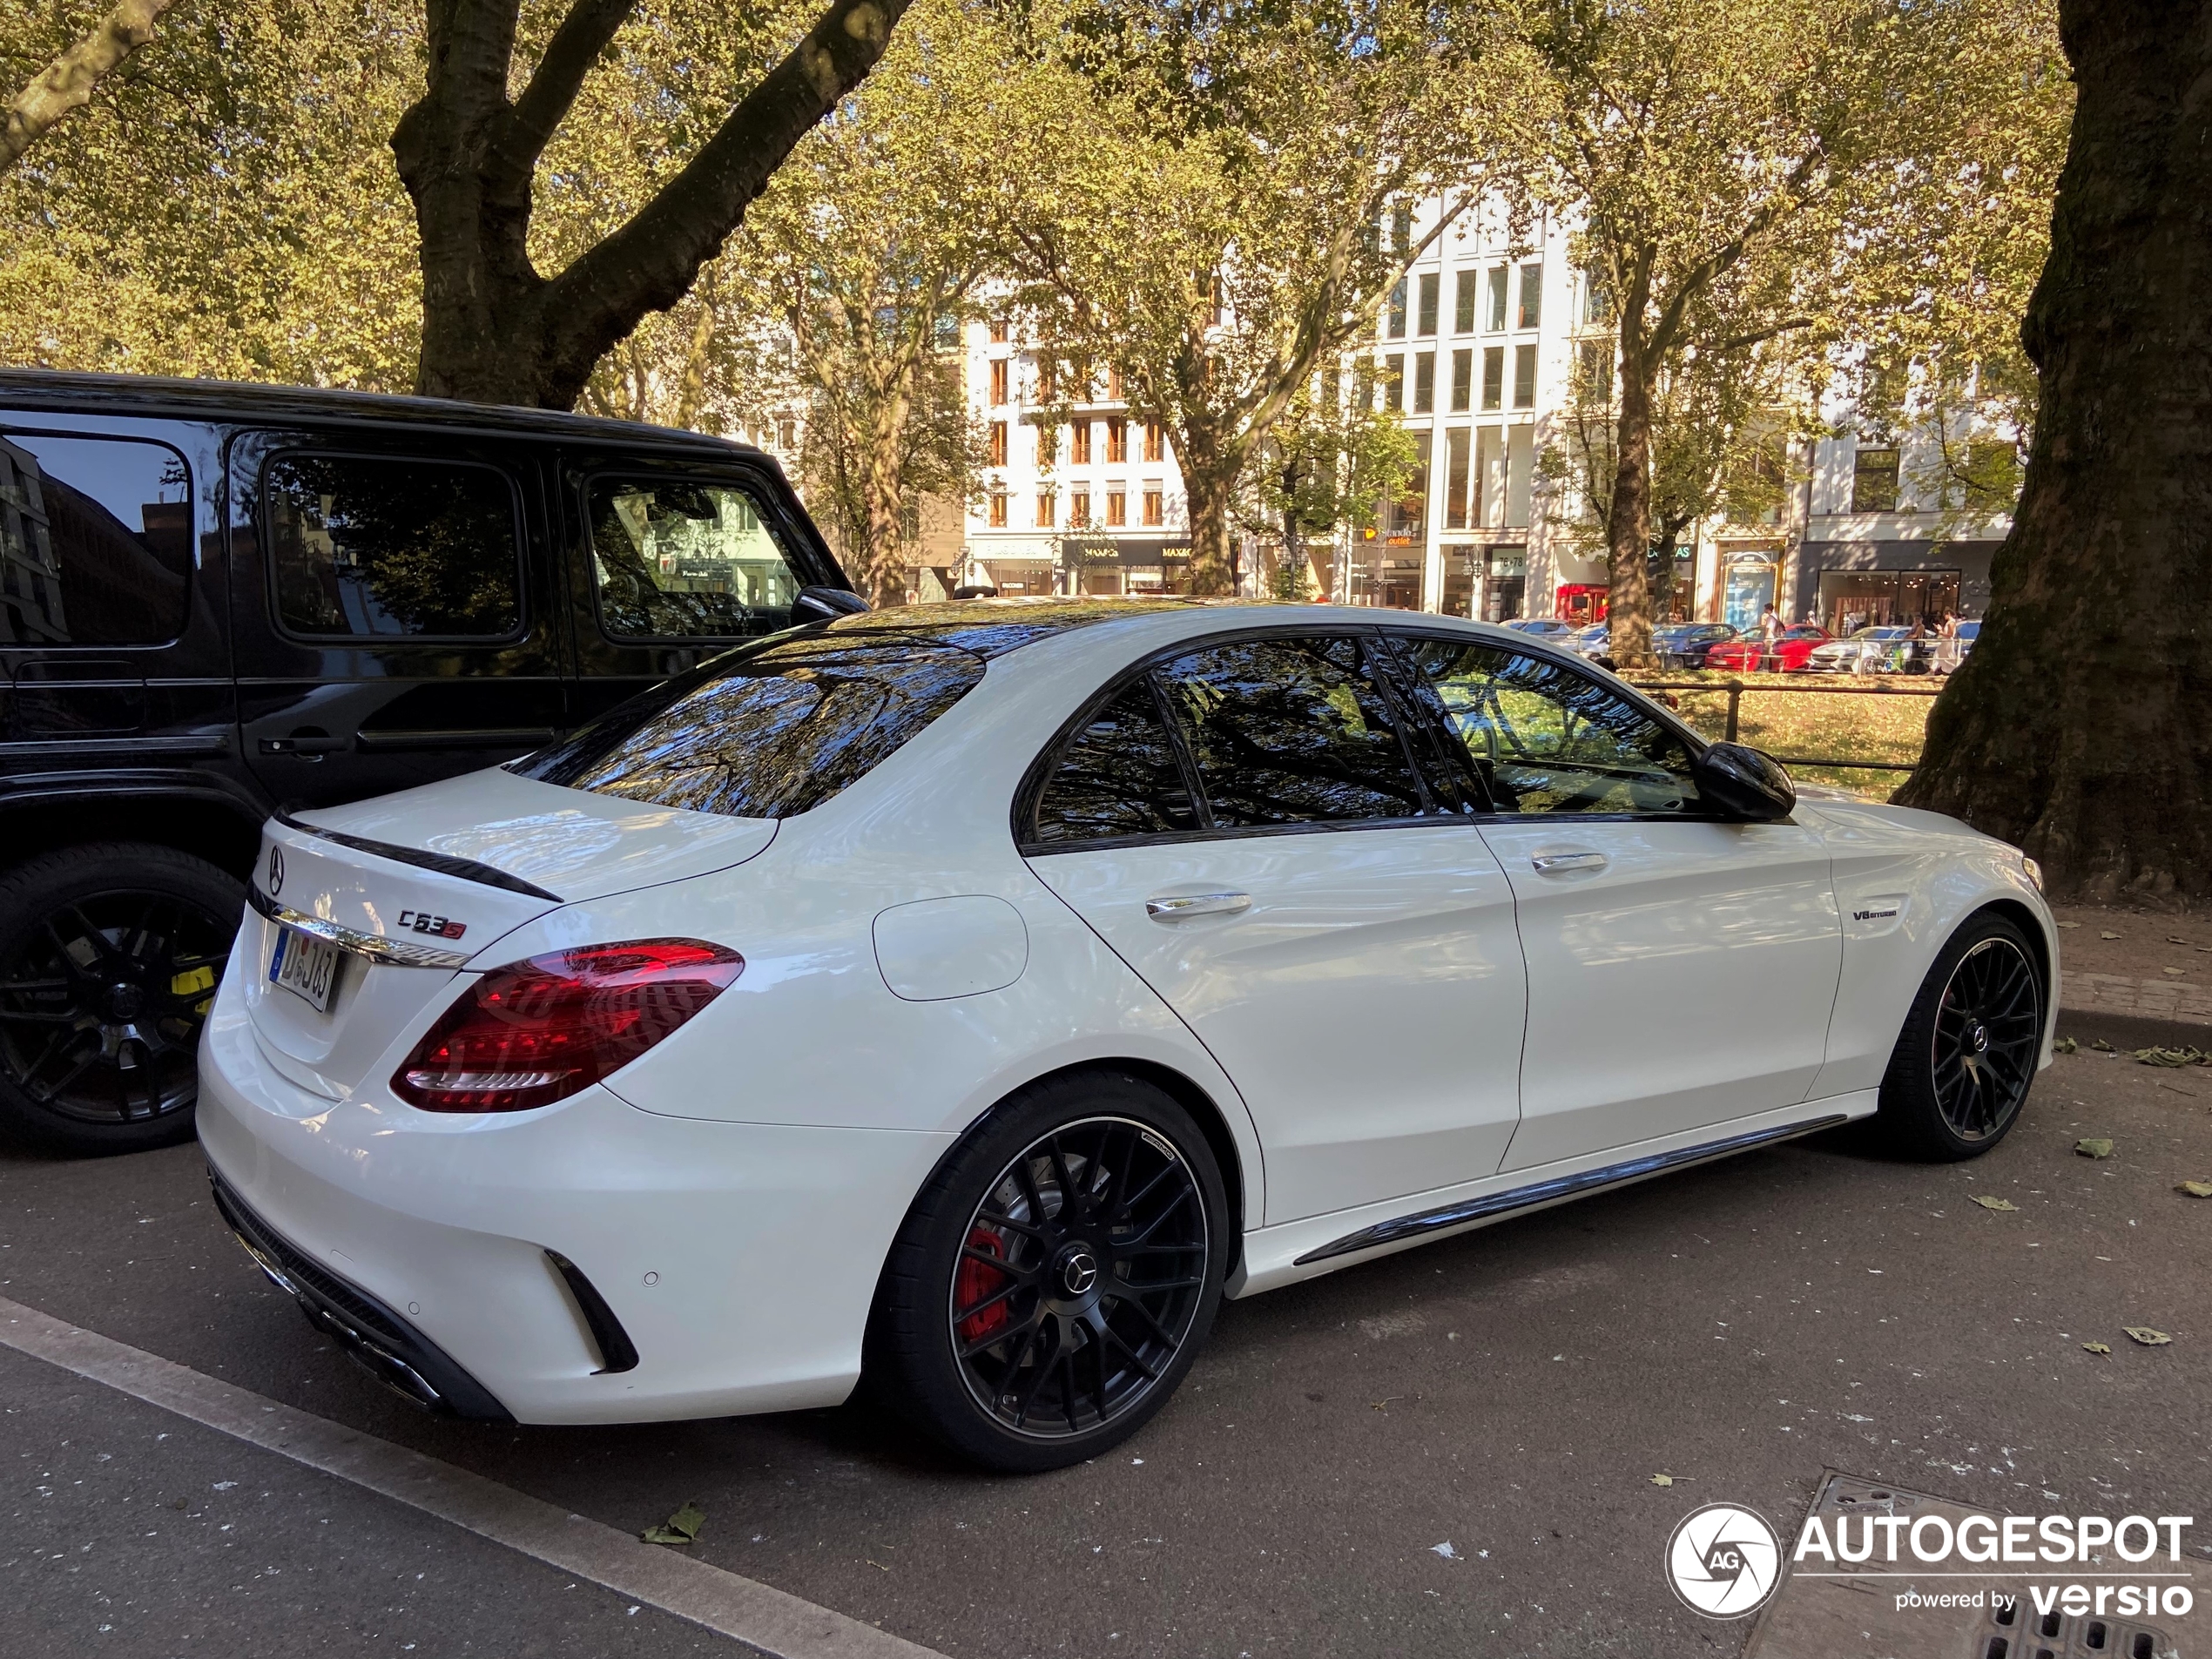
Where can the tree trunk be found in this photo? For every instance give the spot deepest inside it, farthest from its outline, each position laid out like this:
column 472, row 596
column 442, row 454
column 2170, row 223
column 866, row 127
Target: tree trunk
column 1293, row 582
column 1627, row 519
column 2077, row 729
column 1208, row 494
column 67, row 83
column 495, row 331
column 881, row 561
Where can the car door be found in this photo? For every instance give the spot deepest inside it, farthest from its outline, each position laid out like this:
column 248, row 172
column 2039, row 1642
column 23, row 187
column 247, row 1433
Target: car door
column 1681, row 969
column 670, row 561
column 1243, row 825
column 389, row 607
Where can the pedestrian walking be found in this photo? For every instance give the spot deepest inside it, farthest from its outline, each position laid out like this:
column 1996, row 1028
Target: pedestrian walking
column 1770, row 639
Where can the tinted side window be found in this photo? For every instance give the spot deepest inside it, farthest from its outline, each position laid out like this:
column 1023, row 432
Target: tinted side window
column 1540, row 738
column 1291, row 730
column 766, row 732
column 677, row 559
column 95, row 540
column 385, row 547
column 1119, row 777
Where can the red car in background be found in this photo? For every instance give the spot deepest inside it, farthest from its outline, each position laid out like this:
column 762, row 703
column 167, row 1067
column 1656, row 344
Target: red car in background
column 1747, row 655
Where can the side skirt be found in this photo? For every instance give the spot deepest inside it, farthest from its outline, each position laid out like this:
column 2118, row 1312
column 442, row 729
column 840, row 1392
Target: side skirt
column 1496, row 1205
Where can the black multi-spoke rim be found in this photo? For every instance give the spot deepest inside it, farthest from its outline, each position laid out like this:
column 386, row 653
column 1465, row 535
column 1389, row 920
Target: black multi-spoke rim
column 1080, row 1274
column 1988, row 1029
column 101, row 1006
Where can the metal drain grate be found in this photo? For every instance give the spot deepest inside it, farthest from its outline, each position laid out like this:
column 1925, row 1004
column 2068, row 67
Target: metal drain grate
column 2020, row 1632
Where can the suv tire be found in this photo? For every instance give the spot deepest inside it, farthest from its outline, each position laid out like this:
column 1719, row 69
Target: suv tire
column 110, row 955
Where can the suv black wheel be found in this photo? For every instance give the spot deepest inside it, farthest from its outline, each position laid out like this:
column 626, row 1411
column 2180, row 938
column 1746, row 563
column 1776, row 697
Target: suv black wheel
column 110, row 955
column 1056, row 1279
column 1967, row 1058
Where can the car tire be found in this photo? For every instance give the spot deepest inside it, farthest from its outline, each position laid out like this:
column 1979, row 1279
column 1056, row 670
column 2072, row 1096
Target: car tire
column 1098, row 1312
column 110, row 955
column 1959, row 1076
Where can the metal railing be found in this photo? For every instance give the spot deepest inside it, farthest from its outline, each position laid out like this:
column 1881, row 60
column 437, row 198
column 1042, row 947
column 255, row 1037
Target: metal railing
column 1737, row 688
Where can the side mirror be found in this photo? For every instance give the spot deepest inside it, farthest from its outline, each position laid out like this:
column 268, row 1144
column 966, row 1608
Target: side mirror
column 822, row 604
column 1744, row 784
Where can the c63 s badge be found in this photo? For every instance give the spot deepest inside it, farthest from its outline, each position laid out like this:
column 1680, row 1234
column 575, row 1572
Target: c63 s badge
column 423, row 921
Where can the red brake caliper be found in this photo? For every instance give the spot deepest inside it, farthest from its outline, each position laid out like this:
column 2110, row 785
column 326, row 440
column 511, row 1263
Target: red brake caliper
column 976, row 1282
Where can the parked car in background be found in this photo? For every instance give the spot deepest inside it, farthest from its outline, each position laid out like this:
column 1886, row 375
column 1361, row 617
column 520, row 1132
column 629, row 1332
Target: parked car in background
column 225, row 602
column 1547, row 628
column 1051, row 971
column 1590, row 642
column 1949, row 653
column 1882, row 649
column 1747, row 654
column 1685, row 645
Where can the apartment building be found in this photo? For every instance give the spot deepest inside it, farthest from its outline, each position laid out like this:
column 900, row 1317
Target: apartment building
column 1089, row 503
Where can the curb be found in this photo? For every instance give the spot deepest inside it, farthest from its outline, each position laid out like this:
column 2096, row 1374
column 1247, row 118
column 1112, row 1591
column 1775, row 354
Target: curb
column 2131, row 1031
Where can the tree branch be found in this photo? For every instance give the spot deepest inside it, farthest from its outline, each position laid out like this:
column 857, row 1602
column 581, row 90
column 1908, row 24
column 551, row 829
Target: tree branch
column 576, row 45
column 649, row 262
column 67, row 83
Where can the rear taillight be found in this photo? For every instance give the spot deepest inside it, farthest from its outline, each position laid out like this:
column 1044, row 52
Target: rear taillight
column 536, row 1031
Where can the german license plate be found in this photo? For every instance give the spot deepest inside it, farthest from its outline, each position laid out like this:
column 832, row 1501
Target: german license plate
column 306, row 966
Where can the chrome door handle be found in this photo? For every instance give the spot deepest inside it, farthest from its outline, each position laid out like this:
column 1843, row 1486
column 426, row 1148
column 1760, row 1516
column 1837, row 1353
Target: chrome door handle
column 1175, row 907
column 1560, row 863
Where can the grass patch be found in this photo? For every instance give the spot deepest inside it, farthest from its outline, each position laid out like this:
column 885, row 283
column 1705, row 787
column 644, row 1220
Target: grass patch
column 1781, row 717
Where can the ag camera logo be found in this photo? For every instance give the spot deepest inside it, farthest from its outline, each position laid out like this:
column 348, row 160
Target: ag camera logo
column 1723, row 1561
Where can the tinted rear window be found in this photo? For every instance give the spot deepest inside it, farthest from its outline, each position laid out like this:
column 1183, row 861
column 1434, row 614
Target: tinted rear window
column 766, row 731
column 95, row 540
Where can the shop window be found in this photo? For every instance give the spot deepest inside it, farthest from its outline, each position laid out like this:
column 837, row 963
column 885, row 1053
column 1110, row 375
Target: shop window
column 1455, row 480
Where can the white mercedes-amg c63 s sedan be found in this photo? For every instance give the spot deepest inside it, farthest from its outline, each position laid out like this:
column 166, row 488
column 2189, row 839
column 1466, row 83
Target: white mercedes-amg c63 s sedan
column 970, row 997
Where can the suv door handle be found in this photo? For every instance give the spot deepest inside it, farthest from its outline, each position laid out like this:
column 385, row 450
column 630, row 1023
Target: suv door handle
column 1560, row 863
column 302, row 745
column 1174, row 906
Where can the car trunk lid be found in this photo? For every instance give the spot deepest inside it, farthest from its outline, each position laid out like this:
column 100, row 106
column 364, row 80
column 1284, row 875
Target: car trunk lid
column 386, row 902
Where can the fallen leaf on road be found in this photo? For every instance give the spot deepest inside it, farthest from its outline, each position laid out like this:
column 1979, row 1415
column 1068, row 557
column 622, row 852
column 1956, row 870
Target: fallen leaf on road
column 1445, row 1550
column 2069, row 924
column 2169, row 1056
column 1996, row 1203
column 2096, row 1347
column 2065, row 1045
column 2107, row 936
column 1662, row 1480
column 2094, row 1147
column 2102, row 1047
column 2175, row 971
column 2195, row 1189
column 2147, row 1337
column 682, row 1527
column 2176, row 939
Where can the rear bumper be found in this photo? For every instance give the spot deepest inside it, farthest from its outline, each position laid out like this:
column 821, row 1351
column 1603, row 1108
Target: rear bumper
column 737, row 1261
column 382, row 1343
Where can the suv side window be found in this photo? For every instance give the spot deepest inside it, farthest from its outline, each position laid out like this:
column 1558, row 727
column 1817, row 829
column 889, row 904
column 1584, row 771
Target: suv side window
column 677, row 559
column 96, row 540
column 1119, row 776
column 1292, row 729
column 380, row 547
column 1537, row 737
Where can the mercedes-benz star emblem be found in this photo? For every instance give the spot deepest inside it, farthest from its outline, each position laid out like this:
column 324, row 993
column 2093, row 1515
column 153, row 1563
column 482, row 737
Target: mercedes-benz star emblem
column 1079, row 1272
column 276, row 871
column 1723, row 1561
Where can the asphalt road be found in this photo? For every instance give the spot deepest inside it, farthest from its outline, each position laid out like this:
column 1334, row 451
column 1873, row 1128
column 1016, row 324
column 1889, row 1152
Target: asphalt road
column 1509, row 1393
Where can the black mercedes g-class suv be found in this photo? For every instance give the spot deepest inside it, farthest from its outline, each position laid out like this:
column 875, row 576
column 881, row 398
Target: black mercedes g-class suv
column 218, row 601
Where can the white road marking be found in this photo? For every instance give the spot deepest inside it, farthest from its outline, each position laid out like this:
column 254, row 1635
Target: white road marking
column 752, row 1612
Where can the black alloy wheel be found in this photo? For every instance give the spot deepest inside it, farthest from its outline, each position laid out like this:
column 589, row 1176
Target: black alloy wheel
column 110, row 958
column 1056, row 1277
column 1988, row 1027
column 1080, row 1276
column 1966, row 1058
